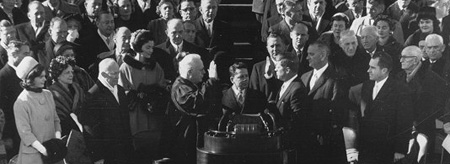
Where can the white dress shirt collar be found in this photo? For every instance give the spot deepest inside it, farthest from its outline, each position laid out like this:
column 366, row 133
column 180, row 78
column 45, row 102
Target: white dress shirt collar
column 320, row 71
column 286, row 85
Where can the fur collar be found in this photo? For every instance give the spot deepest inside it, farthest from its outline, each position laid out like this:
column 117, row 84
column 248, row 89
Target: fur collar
column 148, row 64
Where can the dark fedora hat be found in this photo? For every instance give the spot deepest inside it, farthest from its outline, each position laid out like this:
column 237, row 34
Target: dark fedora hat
column 56, row 151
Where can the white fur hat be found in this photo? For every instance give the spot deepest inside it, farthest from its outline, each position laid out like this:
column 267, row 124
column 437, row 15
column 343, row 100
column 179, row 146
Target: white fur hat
column 25, row 66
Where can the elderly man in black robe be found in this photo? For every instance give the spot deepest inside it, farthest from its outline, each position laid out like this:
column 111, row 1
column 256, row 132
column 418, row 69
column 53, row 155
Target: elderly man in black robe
column 195, row 104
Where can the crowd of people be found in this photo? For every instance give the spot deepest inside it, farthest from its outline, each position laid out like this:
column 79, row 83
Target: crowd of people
column 141, row 81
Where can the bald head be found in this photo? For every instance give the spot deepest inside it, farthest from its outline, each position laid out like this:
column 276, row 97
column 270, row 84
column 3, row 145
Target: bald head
column 175, row 30
column 411, row 58
column 108, row 71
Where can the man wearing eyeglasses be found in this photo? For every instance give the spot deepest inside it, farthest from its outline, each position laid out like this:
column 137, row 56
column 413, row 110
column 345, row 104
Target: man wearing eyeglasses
column 428, row 91
column 187, row 10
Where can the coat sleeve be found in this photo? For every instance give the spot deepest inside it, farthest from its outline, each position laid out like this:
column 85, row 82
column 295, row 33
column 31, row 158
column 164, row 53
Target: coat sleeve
column 22, row 116
column 55, row 114
column 124, row 75
column 404, row 119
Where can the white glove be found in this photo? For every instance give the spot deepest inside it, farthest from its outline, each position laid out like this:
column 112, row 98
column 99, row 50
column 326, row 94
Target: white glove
column 212, row 70
column 73, row 34
column 352, row 155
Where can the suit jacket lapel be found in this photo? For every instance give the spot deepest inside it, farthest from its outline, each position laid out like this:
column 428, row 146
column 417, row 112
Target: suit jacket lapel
column 306, row 78
column 320, row 81
column 230, row 100
column 385, row 90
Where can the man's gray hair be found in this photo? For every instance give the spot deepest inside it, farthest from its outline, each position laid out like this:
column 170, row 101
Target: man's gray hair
column 187, row 63
column 173, row 22
column 371, row 29
column 434, row 37
column 347, row 34
column 414, row 51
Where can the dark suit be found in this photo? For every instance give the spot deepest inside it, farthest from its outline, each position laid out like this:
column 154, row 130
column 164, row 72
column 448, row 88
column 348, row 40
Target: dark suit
column 323, row 25
column 303, row 62
column 109, row 125
column 9, row 91
column 385, row 126
column 88, row 27
column 441, row 67
column 328, row 114
column 18, row 16
column 429, row 96
column 254, row 102
column 220, row 39
column 25, row 32
column 144, row 17
column 293, row 114
column 91, row 46
column 3, row 56
column 46, row 55
column 270, row 87
column 157, row 29
column 355, row 67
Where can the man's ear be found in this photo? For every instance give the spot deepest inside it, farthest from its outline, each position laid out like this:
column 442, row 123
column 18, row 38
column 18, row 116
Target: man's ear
column 442, row 48
column 385, row 70
column 231, row 79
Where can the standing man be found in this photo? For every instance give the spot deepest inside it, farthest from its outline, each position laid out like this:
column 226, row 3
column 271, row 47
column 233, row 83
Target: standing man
column 292, row 111
column 100, row 41
column 194, row 104
column 437, row 61
column 93, row 7
column 239, row 99
column 387, row 114
column 428, row 92
column 212, row 34
column 35, row 31
column 175, row 45
column 188, row 10
column 59, row 8
column 122, row 40
column 9, row 90
column 7, row 33
column 299, row 46
column 320, row 16
column 403, row 11
column 328, row 108
column 58, row 33
column 354, row 60
column 355, row 9
column 262, row 77
column 106, row 118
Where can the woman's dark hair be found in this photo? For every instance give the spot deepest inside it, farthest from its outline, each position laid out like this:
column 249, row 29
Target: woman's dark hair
column 429, row 13
column 385, row 18
column 60, row 48
column 139, row 38
column 28, row 82
column 58, row 65
column 341, row 17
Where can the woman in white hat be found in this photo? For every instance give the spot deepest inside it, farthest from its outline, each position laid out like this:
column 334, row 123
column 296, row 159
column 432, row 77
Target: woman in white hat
column 35, row 113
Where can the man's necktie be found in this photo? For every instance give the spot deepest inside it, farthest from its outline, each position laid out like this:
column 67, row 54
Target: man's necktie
column 209, row 29
column 240, row 99
column 376, row 89
column 313, row 81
